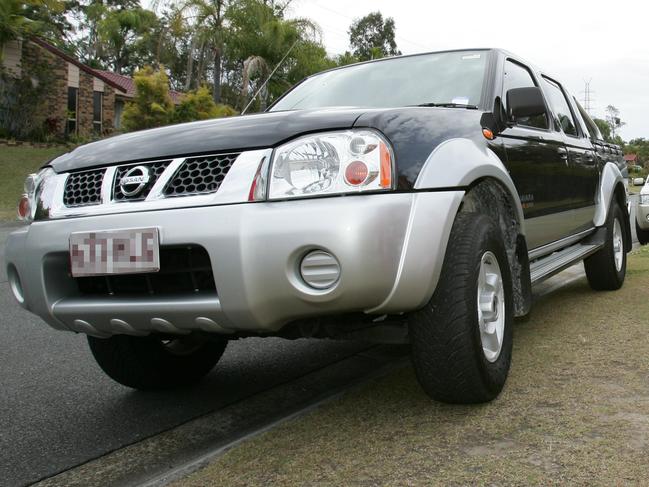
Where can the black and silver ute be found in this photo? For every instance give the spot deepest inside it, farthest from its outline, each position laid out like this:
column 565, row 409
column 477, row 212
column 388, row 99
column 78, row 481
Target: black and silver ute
column 416, row 198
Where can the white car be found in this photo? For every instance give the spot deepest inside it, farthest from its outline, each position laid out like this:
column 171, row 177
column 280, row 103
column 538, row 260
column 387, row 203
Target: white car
column 638, row 181
column 642, row 215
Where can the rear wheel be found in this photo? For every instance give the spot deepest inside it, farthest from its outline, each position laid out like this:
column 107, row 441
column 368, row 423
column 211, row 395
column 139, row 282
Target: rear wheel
column 606, row 268
column 156, row 363
column 643, row 235
column 462, row 339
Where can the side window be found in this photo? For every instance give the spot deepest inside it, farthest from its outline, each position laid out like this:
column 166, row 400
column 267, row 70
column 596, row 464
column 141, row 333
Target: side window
column 518, row 76
column 592, row 128
column 560, row 107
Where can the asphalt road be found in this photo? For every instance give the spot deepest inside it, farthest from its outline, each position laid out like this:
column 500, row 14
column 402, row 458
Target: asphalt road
column 58, row 410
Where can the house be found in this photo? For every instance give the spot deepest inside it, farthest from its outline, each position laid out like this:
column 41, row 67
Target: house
column 80, row 101
column 128, row 93
column 631, row 160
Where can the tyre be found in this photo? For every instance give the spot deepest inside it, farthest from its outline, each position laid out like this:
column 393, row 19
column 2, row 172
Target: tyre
column 643, row 235
column 462, row 339
column 150, row 363
column 606, row 268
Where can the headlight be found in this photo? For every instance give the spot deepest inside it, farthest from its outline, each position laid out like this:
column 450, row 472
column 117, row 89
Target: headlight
column 329, row 163
column 34, row 185
column 644, row 199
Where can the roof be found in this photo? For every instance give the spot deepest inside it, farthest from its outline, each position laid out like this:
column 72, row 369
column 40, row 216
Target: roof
column 128, row 85
column 630, row 157
column 58, row 52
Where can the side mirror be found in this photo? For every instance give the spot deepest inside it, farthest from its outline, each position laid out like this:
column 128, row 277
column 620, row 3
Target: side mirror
column 525, row 102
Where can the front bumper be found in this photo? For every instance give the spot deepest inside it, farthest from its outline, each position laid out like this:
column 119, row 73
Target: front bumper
column 390, row 248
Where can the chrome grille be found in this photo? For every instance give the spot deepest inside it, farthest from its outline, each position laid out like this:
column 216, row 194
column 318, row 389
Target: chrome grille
column 83, row 188
column 200, row 175
column 155, row 168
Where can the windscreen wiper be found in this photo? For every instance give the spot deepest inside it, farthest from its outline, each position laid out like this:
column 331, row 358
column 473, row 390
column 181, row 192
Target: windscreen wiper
column 448, row 105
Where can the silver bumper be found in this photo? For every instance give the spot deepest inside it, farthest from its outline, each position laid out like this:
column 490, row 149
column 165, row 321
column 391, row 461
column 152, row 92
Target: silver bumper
column 390, row 248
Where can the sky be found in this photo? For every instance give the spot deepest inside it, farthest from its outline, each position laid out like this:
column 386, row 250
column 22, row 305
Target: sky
column 573, row 41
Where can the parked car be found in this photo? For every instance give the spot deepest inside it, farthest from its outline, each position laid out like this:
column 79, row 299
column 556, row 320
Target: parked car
column 638, row 181
column 642, row 215
column 414, row 198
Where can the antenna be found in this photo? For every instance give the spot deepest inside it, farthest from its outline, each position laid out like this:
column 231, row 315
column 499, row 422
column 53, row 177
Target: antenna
column 243, row 112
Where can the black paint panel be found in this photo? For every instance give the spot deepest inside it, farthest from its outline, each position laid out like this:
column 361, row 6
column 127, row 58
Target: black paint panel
column 413, row 131
column 416, row 132
column 209, row 136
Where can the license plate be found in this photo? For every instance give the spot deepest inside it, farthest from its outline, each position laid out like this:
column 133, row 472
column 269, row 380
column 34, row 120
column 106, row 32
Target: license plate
column 128, row 251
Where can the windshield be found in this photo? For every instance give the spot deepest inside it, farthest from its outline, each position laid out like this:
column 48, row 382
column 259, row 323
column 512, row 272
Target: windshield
column 439, row 78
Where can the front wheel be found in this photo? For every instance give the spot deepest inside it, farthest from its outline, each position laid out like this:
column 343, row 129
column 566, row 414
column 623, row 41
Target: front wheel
column 462, row 339
column 606, row 268
column 152, row 362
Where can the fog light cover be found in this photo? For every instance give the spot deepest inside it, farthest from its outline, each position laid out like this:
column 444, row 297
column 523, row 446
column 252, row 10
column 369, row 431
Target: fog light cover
column 320, row 270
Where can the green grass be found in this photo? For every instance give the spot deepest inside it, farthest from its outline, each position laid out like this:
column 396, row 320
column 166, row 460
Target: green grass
column 575, row 411
column 15, row 164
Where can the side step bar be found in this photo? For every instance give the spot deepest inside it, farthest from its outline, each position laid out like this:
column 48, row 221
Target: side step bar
column 547, row 266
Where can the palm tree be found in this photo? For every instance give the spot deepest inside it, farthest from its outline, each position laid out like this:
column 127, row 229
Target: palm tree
column 208, row 17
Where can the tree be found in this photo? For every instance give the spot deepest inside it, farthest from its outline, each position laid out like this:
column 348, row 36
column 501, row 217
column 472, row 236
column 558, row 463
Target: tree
column 371, row 37
column 613, row 119
column 118, row 35
column 639, row 146
column 208, row 16
column 22, row 18
column 345, row 59
column 152, row 105
column 604, row 128
column 261, row 41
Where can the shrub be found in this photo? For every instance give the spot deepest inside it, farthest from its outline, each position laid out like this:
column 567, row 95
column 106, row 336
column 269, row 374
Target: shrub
column 199, row 105
column 152, row 105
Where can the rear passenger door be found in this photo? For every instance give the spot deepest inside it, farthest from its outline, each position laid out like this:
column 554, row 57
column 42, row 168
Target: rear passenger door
column 583, row 168
column 537, row 160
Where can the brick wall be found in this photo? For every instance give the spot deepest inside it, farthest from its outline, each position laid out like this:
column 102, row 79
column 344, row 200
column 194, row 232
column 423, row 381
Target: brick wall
column 55, row 106
column 56, row 103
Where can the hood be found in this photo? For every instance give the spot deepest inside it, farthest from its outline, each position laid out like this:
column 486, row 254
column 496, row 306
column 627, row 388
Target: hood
column 413, row 131
column 234, row 133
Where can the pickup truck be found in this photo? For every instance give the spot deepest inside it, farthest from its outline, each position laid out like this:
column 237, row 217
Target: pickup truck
column 409, row 199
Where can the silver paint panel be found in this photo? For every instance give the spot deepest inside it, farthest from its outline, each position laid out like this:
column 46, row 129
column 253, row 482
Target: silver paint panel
column 390, row 248
column 461, row 162
column 609, row 179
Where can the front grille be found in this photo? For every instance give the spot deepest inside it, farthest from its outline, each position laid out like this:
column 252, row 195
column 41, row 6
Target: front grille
column 83, row 188
column 183, row 270
column 155, row 170
column 200, row 175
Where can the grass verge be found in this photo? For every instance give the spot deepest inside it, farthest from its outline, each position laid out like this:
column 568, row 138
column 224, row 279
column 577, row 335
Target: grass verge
column 15, row 164
column 575, row 410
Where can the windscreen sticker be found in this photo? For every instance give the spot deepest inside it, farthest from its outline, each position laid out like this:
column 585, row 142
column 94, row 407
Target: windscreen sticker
column 460, row 100
column 471, row 56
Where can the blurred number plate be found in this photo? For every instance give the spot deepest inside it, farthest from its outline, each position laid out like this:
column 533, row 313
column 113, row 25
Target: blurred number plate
column 115, row 252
